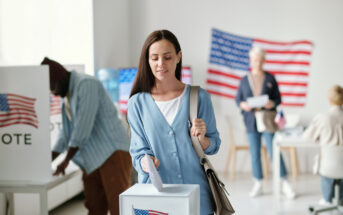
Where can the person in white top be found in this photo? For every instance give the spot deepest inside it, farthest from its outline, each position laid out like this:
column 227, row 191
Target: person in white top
column 327, row 129
column 170, row 108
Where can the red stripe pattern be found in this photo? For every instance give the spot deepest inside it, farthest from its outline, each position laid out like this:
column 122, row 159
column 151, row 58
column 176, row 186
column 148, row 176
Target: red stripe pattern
column 289, row 62
column 186, row 75
column 55, row 105
column 17, row 109
column 147, row 212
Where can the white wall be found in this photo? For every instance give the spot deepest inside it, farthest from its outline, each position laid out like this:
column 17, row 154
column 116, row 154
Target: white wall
column 111, row 34
column 191, row 21
column 59, row 29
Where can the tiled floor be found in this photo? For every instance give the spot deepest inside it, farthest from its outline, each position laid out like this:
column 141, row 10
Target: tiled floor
column 306, row 186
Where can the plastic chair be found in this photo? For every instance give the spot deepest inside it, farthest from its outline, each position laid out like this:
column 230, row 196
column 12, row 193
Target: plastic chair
column 331, row 160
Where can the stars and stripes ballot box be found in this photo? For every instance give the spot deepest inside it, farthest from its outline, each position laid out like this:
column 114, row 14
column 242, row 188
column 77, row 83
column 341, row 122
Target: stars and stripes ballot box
column 174, row 199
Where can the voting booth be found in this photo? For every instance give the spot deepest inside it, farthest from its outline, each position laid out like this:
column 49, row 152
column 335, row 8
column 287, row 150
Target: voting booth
column 174, row 199
column 24, row 123
column 30, row 118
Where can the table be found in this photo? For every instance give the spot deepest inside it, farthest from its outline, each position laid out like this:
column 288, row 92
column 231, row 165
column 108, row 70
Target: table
column 281, row 139
column 42, row 188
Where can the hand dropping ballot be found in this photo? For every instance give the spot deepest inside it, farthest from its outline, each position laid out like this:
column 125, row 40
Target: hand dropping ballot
column 153, row 174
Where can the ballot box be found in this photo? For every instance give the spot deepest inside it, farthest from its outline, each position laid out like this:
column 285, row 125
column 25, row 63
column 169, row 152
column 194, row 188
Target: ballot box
column 174, row 199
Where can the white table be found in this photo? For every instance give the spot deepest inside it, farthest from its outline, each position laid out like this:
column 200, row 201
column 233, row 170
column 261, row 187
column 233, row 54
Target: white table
column 284, row 140
column 42, row 188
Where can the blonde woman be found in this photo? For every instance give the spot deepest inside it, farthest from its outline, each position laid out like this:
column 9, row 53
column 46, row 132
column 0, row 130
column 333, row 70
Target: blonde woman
column 256, row 83
column 327, row 129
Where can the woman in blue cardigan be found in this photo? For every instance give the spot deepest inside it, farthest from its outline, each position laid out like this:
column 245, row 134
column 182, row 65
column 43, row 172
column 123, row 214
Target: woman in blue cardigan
column 258, row 83
column 158, row 115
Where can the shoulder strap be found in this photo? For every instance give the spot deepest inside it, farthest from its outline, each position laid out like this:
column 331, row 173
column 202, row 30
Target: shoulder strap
column 193, row 110
column 193, row 102
column 251, row 84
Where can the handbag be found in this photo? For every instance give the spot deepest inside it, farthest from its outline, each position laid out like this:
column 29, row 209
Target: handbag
column 219, row 193
column 265, row 121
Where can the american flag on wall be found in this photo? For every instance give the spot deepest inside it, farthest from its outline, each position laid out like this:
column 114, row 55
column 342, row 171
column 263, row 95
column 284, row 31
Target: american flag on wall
column 147, row 212
column 126, row 79
column 289, row 62
column 17, row 109
column 55, row 105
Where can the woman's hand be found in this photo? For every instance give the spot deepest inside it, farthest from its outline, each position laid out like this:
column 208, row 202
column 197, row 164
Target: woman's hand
column 245, row 106
column 269, row 105
column 144, row 163
column 199, row 129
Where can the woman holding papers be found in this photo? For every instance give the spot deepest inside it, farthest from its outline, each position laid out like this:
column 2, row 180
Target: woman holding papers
column 327, row 129
column 255, row 87
column 158, row 115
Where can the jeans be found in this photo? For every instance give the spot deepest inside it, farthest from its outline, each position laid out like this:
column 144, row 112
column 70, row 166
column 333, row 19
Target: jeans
column 255, row 151
column 328, row 188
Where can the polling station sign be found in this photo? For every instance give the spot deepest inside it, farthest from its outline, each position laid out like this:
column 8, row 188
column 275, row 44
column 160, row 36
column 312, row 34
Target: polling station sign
column 25, row 123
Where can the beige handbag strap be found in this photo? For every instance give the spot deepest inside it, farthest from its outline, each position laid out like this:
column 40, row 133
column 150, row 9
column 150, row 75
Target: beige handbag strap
column 193, row 110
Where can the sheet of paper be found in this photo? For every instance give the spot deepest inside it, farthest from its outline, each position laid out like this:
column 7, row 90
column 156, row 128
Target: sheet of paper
column 153, row 174
column 258, row 101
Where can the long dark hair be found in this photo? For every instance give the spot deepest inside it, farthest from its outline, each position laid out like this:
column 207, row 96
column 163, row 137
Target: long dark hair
column 145, row 79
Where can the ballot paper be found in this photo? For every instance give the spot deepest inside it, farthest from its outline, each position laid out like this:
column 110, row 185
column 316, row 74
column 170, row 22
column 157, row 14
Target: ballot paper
column 258, row 101
column 153, row 174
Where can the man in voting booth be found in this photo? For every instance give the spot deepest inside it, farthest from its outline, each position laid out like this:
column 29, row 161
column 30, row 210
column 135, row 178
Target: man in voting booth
column 93, row 136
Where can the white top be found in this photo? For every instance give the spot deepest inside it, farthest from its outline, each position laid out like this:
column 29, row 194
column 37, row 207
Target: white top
column 327, row 128
column 170, row 108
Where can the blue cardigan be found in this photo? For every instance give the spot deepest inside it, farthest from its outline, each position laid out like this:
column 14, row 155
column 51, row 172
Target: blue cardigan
column 269, row 87
column 172, row 145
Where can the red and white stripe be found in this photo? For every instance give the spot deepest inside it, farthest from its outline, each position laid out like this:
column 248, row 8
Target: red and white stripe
column 154, row 212
column 290, row 64
column 55, row 105
column 186, row 75
column 123, row 105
